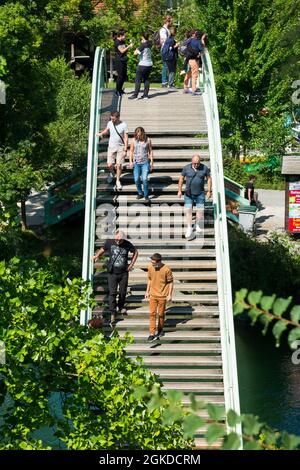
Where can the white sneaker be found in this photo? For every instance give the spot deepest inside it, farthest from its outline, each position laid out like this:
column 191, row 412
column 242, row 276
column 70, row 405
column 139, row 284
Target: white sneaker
column 119, row 187
column 189, row 232
column 198, row 228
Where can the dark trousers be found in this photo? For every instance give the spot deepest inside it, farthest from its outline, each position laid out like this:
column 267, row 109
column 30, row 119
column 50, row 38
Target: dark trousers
column 121, row 68
column 142, row 73
column 115, row 281
column 172, row 64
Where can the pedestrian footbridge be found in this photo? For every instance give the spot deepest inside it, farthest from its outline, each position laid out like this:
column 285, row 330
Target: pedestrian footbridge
column 197, row 353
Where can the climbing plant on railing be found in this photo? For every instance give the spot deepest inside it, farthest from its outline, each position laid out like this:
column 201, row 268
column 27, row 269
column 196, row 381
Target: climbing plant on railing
column 269, row 310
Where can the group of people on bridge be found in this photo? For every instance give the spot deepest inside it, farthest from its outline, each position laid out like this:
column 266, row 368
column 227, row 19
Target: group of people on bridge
column 191, row 48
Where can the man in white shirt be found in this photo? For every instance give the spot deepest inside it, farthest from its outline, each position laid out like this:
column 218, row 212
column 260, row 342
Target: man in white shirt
column 164, row 33
column 117, row 146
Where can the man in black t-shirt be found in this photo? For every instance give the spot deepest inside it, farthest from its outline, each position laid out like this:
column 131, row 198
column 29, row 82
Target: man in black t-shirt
column 117, row 270
column 121, row 61
column 249, row 190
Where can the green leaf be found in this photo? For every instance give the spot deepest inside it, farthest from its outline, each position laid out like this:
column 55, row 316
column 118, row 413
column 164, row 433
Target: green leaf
column 214, row 432
column 265, row 320
column 241, row 295
column 174, row 396
column 278, row 329
column 252, row 445
column 281, row 305
column 233, row 418
column 266, row 302
column 254, row 297
column 293, row 336
column 231, row 442
column 251, row 425
column 295, row 313
column 290, row 441
column 216, row 412
column 238, row 308
column 254, row 314
column 190, row 425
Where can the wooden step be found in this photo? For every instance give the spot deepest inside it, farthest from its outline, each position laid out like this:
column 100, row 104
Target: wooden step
column 172, row 325
column 179, row 286
column 138, row 274
column 166, row 153
column 170, row 175
column 201, row 443
column 137, row 298
column 195, row 387
column 206, row 311
column 183, row 361
column 197, row 242
column 185, row 336
column 188, row 374
column 183, row 348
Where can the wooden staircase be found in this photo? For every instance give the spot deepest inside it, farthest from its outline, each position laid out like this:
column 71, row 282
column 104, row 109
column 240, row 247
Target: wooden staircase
column 188, row 357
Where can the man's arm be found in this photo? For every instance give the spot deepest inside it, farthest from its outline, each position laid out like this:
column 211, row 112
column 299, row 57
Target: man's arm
column 249, row 194
column 134, row 258
column 98, row 254
column 180, row 184
column 170, row 294
column 104, row 132
column 125, row 142
column 209, row 185
column 147, row 293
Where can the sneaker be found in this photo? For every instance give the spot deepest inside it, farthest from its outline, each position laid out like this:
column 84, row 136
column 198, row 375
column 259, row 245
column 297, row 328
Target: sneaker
column 182, row 72
column 189, row 232
column 196, row 93
column 151, row 338
column 145, row 98
column 119, row 187
column 147, row 200
column 112, row 320
column 123, row 311
column 110, row 178
column 133, row 97
column 198, row 228
column 156, row 337
column 164, row 85
column 140, row 196
column 186, row 90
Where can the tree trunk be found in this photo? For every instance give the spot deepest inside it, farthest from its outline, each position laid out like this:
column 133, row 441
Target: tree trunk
column 23, row 215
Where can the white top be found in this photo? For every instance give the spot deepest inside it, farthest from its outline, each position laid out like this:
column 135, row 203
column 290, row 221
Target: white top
column 115, row 140
column 164, row 34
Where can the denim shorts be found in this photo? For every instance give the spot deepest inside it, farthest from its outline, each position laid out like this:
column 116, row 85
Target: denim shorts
column 198, row 201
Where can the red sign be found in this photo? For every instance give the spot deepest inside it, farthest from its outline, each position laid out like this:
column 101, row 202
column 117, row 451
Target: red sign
column 294, row 207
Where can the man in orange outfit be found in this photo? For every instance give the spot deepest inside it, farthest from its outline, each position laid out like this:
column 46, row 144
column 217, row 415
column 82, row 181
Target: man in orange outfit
column 159, row 292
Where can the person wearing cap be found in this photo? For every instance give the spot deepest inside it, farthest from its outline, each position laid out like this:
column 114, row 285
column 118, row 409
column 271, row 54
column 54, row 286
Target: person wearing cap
column 195, row 174
column 159, row 292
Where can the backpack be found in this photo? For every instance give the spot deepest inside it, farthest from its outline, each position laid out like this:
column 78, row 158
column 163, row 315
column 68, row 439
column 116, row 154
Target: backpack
column 167, row 51
column 156, row 38
column 183, row 46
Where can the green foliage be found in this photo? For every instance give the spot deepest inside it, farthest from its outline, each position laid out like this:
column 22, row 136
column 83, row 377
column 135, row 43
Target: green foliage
column 67, row 378
column 258, row 307
column 255, row 264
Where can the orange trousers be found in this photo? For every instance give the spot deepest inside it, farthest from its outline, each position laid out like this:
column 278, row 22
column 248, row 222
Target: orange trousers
column 157, row 305
column 193, row 72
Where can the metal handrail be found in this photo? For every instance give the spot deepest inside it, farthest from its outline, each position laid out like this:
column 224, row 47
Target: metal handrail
column 92, row 169
column 231, row 390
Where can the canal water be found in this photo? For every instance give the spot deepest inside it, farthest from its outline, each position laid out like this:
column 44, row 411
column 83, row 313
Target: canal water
column 269, row 382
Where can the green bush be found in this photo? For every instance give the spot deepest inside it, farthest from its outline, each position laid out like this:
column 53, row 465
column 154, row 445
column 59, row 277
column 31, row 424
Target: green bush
column 268, row 266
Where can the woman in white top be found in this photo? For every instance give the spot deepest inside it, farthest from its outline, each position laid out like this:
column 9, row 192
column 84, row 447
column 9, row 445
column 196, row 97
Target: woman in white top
column 141, row 159
column 144, row 67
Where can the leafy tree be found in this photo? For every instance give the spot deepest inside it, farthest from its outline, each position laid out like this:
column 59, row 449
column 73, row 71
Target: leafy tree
column 67, row 378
